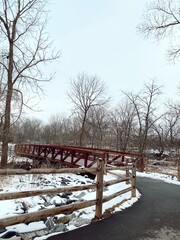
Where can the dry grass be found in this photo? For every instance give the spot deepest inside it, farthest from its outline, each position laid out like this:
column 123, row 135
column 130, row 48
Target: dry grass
column 168, row 167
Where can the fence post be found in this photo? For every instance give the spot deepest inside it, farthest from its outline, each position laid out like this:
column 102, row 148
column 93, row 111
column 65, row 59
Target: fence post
column 133, row 181
column 146, row 164
column 178, row 170
column 99, row 188
column 127, row 171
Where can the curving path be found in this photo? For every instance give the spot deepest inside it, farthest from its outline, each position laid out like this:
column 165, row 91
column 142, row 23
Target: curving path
column 155, row 216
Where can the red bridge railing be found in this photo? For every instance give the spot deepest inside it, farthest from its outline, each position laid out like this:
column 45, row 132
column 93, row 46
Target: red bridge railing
column 75, row 157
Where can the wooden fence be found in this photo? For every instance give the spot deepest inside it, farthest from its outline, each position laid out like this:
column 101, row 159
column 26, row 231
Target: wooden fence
column 130, row 176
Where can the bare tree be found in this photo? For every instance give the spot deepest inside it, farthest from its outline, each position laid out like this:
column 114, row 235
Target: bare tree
column 158, row 136
column 98, row 125
column 60, row 129
column 24, row 49
column 85, row 93
column 55, row 125
column 122, row 118
column 166, row 130
column 46, row 136
column 144, row 107
column 75, row 125
column 27, row 130
column 162, row 19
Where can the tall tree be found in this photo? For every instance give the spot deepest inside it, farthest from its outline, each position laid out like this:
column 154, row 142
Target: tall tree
column 85, row 93
column 122, row 118
column 144, row 107
column 24, row 48
column 98, row 124
column 162, row 19
column 166, row 130
column 27, row 130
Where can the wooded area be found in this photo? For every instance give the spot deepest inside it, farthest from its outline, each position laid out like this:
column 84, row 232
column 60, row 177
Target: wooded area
column 138, row 123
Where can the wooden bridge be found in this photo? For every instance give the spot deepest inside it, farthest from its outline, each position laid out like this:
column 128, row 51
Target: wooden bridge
column 75, row 157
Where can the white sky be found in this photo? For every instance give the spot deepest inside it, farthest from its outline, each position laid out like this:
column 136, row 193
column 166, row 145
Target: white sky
column 100, row 37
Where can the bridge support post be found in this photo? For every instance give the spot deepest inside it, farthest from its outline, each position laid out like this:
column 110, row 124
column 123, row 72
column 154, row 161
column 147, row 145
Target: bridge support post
column 99, row 188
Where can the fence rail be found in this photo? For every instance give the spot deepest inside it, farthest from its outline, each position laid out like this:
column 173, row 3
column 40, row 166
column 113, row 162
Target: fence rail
column 98, row 201
column 171, row 168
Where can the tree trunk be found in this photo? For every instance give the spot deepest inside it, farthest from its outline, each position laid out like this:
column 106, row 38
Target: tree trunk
column 81, row 138
column 6, row 131
column 7, row 124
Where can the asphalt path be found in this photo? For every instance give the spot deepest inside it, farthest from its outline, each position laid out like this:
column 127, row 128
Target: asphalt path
column 156, row 215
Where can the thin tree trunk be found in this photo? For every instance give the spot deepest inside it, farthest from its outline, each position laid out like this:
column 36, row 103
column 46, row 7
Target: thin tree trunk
column 81, row 138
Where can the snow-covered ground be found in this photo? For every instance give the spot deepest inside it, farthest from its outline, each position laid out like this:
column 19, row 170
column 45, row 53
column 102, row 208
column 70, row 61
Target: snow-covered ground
column 60, row 223
column 159, row 176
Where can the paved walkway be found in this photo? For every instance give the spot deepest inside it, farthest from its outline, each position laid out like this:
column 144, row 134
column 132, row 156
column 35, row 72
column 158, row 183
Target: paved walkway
column 155, row 216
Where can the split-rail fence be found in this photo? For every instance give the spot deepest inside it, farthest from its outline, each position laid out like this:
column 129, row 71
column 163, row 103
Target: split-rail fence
column 101, row 169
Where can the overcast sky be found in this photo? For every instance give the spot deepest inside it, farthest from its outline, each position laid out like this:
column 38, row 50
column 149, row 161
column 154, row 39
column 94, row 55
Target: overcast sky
column 100, row 37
